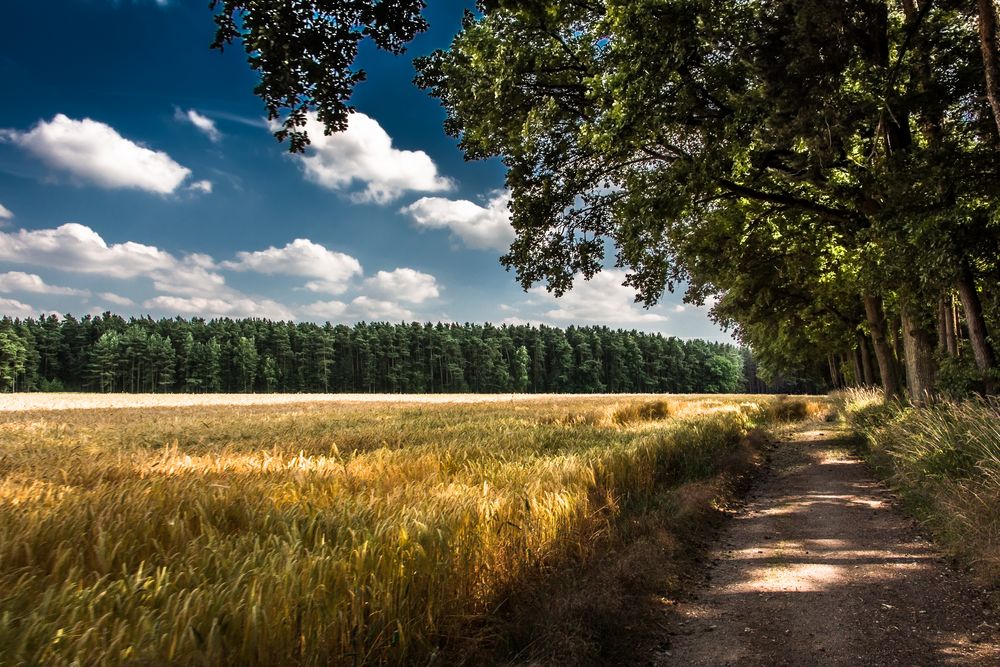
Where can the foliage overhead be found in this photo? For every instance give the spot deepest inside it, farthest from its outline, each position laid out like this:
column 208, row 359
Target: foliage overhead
column 304, row 51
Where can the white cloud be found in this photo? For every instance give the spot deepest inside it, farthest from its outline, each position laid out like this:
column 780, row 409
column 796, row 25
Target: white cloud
column 94, row 152
column 204, row 187
column 679, row 308
column 405, row 284
column 604, row 299
column 230, row 306
column 372, row 309
column 15, row 309
column 331, row 270
column 77, row 248
column 324, row 310
column 482, row 228
column 204, row 124
column 5, row 213
column 111, row 297
column 364, row 154
column 17, row 281
column 189, row 278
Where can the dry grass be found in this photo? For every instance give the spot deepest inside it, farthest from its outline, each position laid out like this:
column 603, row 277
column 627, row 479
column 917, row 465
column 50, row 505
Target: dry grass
column 318, row 533
column 945, row 459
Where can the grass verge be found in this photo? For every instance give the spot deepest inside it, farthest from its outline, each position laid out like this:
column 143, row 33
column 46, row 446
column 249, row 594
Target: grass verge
column 944, row 460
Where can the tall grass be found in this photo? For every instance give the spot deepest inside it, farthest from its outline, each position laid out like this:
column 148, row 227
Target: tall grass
column 945, row 459
column 316, row 534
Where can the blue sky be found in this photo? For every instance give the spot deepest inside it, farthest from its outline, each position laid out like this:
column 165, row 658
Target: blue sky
column 137, row 175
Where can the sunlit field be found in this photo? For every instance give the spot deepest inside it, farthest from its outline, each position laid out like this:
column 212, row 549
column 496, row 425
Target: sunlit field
column 268, row 531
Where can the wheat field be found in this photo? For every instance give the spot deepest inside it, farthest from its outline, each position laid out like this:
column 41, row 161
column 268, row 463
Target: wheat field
column 317, row 532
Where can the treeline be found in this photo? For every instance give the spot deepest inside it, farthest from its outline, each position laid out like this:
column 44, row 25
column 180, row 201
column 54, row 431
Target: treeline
column 110, row 354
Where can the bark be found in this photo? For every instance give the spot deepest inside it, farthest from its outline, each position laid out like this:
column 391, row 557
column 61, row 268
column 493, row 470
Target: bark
column 942, row 324
column 982, row 351
column 896, row 328
column 989, row 41
column 859, row 376
column 834, row 374
column 868, row 373
column 883, row 352
column 919, row 349
column 950, row 325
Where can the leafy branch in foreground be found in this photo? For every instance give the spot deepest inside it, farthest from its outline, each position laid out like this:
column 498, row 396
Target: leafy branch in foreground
column 304, row 51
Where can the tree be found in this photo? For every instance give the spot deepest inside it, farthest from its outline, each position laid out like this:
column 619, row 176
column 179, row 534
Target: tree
column 304, row 51
column 245, row 361
column 12, row 359
column 989, row 36
column 104, row 360
column 519, row 373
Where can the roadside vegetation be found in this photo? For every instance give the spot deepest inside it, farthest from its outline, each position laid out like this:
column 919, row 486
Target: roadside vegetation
column 944, row 458
column 348, row 534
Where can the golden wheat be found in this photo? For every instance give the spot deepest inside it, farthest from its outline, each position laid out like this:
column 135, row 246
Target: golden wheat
column 316, row 533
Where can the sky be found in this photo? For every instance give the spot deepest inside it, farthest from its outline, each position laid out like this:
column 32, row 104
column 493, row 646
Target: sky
column 138, row 175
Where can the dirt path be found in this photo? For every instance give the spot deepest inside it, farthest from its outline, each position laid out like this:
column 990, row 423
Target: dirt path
column 819, row 569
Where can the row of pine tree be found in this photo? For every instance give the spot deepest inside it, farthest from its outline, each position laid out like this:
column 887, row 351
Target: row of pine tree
column 107, row 353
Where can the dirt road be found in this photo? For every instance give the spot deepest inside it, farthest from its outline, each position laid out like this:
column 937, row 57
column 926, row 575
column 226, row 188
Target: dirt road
column 820, row 569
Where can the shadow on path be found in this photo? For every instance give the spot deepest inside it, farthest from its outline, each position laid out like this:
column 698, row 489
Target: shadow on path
column 820, row 570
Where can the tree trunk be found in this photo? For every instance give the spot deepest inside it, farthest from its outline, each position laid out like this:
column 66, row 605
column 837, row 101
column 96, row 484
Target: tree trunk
column 834, row 374
column 942, row 324
column 868, row 374
column 896, row 329
column 976, row 321
column 859, row 376
column 989, row 41
column 919, row 357
column 883, row 353
column 950, row 325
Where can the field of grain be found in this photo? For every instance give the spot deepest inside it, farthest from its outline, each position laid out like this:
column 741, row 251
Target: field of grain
column 263, row 531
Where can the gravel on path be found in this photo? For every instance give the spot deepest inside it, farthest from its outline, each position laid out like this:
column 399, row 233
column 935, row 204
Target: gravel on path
column 821, row 569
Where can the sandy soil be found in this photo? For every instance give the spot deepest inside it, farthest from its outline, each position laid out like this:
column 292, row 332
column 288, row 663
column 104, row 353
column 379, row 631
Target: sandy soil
column 820, row 569
column 74, row 401
column 84, row 401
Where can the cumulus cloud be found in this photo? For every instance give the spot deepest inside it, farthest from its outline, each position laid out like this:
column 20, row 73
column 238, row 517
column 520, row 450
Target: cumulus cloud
column 5, row 213
column 330, row 270
column 363, row 154
column 77, row 248
column 204, row 124
column 16, row 309
column 604, row 299
column 480, row 227
column 204, row 187
column 324, row 310
column 117, row 300
column 17, row 281
column 405, row 285
column 230, row 306
column 96, row 153
column 373, row 309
